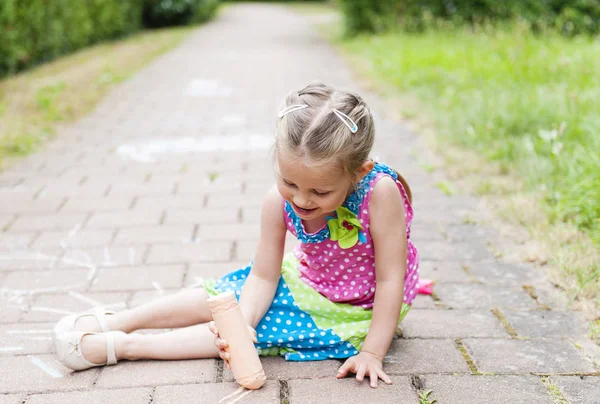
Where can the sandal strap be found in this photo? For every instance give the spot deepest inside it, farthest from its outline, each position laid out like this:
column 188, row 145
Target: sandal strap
column 100, row 314
column 111, row 353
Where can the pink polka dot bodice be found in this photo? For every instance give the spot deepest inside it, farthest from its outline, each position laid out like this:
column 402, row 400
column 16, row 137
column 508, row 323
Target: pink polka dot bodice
column 348, row 275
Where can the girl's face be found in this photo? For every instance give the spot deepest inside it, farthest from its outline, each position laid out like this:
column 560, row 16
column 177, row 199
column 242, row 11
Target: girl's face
column 313, row 192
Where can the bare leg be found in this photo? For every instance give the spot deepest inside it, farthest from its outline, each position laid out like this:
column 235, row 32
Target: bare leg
column 195, row 342
column 183, row 309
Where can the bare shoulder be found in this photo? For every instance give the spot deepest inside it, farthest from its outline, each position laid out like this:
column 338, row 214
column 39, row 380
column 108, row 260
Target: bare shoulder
column 272, row 209
column 386, row 207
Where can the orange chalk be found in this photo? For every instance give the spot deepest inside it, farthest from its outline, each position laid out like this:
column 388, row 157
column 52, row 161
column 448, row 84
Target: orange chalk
column 245, row 363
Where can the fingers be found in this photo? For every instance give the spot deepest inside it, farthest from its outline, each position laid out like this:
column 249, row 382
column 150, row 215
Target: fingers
column 373, row 377
column 384, row 377
column 360, row 372
column 253, row 334
column 213, row 328
column 343, row 371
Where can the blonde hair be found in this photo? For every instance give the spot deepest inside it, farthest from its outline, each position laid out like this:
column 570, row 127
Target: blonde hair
column 317, row 135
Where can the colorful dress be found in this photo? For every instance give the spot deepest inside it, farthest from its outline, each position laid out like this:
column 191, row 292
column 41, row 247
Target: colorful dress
column 323, row 304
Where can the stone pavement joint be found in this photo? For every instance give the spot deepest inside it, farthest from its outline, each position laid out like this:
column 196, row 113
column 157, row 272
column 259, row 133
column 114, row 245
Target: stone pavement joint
column 115, row 212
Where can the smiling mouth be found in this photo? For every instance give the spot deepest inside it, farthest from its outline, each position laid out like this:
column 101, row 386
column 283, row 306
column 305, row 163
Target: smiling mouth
column 304, row 211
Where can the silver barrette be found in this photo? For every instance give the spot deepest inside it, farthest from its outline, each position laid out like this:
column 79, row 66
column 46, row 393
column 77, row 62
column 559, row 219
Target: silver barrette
column 291, row 108
column 346, row 120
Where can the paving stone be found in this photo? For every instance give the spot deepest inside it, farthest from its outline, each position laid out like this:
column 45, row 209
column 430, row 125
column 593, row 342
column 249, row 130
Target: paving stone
column 451, row 324
column 579, row 389
column 217, row 186
column 500, row 273
column 73, row 238
column 129, row 189
column 103, row 220
column 201, row 216
column 251, row 216
column 5, row 220
column 515, row 356
column 234, row 201
column 58, row 221
column 228, row 232
column 26, row 339
column 12, row 398
column 204, row 251
column 198, row 272
column 9, row 313
column 41, row 280
column 276, row 368
column 53, row 307
column 443, row 271
column 187, row 201
column 88, row 190
column 444, row 251
column 131, row 278
column 487, row 389
column 155, row 234
column 39, row 373
column 215, row 392
column 97, row 204
column 117, row 396
column 545, row 324
column 326, row 391
column 157, row 373
column 27, row 205
column 424, row 356
column 463, row 296
column 423, row 302
column 16, row 240
column 20, row 259
column 245, row 250
column 113, row 256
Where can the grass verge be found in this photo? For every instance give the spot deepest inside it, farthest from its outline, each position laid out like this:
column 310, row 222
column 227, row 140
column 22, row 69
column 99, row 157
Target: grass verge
column 513, row 118
column 34, row 102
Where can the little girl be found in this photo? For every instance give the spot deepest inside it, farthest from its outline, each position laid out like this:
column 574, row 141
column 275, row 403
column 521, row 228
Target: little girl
column 327, row 299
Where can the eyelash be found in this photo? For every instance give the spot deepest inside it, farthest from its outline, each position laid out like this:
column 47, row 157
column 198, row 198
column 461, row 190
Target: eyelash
column 288, row 184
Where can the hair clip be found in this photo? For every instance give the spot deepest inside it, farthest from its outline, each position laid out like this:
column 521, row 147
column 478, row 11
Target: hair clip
column 346, row 120
column 291, row 108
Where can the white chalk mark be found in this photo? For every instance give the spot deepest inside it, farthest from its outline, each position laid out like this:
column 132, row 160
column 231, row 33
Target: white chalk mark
column 45, row 367
column 158, row 288
column 107, row 259
column 198, row 282
column 10, row 348
column 118, row 305
column 39, row 338
column 131, row 256
column 28, row 331
column 74, row 231
column 51, row 310
column 235, row 393
column 240, row 397
column 85, row 299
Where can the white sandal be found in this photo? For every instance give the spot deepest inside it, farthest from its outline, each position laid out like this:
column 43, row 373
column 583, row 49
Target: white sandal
column 67, row 324
column 68, row 349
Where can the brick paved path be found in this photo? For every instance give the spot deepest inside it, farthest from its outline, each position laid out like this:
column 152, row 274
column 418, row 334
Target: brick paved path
column 160, row 187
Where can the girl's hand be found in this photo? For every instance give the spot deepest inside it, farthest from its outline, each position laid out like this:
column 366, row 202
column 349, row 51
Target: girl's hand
column 222, row 344
column 364, row 364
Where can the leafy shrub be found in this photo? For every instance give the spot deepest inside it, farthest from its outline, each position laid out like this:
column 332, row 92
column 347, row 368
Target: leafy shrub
column 162, row 13
column 570, row 17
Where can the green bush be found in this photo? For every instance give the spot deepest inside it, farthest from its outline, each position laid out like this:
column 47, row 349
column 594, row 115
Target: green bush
column 163, row 13
column 570, row 17
column 35, row 31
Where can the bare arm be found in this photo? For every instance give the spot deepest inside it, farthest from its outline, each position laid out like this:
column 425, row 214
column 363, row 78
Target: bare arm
column 388, row 229
column 259, row 289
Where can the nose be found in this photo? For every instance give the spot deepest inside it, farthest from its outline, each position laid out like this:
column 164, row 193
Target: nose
column 301, row 200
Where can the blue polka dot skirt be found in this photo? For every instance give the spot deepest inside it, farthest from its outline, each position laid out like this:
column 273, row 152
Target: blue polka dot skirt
column 286, row 329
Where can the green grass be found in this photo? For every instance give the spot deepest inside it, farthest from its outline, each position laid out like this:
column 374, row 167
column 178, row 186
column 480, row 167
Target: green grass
column 527, row 103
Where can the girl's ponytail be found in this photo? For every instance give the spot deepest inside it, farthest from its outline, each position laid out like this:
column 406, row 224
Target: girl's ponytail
column 405, row 185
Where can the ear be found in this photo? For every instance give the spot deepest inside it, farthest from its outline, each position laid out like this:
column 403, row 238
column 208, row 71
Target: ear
column 365, row 169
